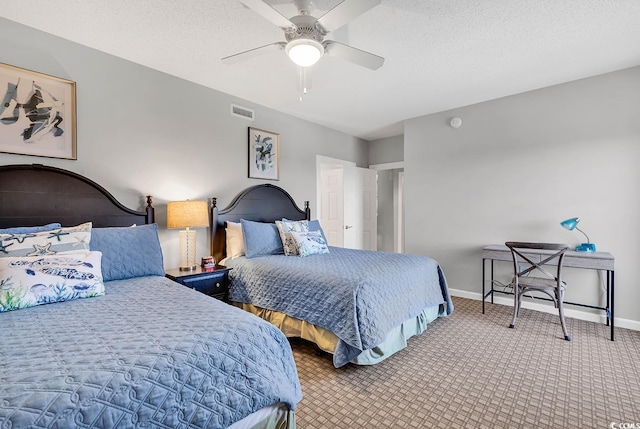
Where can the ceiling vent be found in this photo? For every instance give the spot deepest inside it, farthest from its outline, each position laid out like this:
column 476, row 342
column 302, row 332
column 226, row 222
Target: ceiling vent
column 242, row 112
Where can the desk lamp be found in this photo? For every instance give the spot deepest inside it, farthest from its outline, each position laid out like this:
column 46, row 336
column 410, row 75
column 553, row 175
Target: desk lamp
column 572, row 224
column 187, row 214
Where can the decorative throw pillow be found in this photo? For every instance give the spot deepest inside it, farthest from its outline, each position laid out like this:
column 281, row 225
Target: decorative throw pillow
column 261, row 239
column 56, row 241
column 310, row 243
column 314, row 225
column 285, row 228
column 29, row 229
column 33, row 280
column 235, row 240
column 128, row 251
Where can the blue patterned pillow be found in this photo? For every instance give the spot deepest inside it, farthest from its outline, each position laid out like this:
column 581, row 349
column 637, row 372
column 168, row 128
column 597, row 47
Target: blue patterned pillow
column 28, row 281
column 130, row 251
column 30, row 229
column 314, row 225
column 261, row 239
column 56, row 241
column 310, row 243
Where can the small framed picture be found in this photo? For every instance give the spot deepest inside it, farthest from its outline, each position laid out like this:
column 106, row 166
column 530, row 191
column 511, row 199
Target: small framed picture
column 264, row 154
column 37, row 114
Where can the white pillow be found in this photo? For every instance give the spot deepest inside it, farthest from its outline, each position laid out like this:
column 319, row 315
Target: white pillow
column 27, row 281
column 235, row 240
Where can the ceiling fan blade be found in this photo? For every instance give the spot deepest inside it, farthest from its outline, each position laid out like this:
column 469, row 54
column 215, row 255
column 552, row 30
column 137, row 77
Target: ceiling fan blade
column 345, row 12
column 354, row 55
column 268, row 13
column 252, row 53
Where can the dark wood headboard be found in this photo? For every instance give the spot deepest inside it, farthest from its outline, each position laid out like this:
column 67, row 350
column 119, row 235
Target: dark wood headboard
column 37, row 194
column 260, row 203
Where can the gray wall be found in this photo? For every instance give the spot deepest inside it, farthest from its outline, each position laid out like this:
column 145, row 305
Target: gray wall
column 144, row 132
column 386, row 150
column 521, row 164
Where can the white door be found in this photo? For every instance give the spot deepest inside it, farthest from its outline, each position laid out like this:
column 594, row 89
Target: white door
column 360, row 208
column 332, row 204
column 348, row 206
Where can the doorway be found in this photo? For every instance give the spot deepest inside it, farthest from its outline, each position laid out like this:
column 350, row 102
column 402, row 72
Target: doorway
column 390, row 206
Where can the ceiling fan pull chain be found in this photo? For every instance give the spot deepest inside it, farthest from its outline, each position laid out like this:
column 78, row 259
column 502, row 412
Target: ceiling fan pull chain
column 304, row 80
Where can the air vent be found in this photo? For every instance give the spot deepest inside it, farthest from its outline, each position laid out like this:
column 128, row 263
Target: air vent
column 242, row 112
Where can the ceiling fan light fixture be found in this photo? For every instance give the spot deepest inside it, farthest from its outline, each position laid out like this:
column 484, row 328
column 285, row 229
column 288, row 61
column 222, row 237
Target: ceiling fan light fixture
column 304, row 52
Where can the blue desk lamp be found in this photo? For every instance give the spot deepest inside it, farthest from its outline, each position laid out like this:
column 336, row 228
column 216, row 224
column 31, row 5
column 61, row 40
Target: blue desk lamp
column 572, row 224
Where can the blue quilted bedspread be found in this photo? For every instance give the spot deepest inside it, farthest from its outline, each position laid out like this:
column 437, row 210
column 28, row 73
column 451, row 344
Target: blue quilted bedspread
column 150, row 353
column 359, row 295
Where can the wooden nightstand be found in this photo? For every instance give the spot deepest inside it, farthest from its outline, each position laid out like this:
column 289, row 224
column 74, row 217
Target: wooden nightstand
column 213, row 282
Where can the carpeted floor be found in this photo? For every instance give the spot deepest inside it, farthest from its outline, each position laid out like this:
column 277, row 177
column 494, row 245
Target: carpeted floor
column 470, row 370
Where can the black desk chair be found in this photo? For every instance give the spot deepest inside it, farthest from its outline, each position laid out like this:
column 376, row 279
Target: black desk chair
column 550, row 284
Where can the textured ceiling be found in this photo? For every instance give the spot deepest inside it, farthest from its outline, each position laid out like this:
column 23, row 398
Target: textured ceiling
column 440, row 54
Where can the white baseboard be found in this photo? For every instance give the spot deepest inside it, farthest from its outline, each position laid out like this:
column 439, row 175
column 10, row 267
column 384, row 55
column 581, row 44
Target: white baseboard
column 569, row 312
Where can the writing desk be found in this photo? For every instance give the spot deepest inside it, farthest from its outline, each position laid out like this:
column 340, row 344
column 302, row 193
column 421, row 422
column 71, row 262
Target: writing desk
column 588, row 260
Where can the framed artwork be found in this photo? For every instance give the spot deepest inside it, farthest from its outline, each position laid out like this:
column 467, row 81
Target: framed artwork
column 264, row 154
column 37, row 114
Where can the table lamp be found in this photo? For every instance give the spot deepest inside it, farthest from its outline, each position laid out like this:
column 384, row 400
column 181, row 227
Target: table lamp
column 572, row 224
column 187, row 214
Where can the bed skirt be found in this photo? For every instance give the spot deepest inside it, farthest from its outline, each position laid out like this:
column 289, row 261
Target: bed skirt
column 327, row 341
column 276, row 416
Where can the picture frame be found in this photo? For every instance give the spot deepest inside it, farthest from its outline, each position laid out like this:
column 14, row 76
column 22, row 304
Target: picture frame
column 37, row 114
column 264, row 154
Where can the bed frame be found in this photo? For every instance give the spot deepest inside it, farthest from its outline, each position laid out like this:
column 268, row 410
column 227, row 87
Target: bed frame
column 260, row 203
column 36, row 194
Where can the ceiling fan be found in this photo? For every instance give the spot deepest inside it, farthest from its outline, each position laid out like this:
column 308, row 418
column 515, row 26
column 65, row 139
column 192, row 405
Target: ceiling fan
column 304, row 34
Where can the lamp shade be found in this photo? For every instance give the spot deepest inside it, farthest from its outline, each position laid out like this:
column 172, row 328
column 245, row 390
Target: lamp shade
column 187, row 214
column 570, row 224
column 304, row 52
